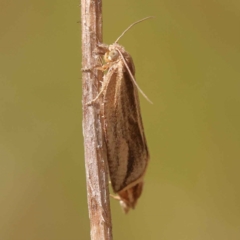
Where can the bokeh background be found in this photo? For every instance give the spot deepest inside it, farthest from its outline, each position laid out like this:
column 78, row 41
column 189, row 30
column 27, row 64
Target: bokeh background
column 188, row 63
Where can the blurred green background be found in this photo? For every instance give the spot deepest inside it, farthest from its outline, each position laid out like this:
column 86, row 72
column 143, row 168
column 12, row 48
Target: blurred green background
column 187, row 62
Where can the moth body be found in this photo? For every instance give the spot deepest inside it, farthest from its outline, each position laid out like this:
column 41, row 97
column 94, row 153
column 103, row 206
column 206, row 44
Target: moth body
column 127, row 151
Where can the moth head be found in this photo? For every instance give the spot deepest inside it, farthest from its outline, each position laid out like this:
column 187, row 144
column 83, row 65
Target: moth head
column 111, row 56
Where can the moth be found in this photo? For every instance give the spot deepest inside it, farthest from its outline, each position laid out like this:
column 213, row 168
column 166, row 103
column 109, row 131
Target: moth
column 127, row 151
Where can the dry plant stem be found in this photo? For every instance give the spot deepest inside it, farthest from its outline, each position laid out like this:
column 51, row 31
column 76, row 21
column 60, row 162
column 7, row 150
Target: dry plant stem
column 94, row 147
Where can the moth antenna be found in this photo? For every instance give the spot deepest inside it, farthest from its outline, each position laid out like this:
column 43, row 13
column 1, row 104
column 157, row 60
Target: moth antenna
column 132, row 77
column 132, row 26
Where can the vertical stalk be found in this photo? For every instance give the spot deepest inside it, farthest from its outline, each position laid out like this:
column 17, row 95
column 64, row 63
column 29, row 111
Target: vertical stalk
column 94, row 147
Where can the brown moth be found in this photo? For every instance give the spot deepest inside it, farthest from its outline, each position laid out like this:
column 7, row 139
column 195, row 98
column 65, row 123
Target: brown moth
column 127, row 151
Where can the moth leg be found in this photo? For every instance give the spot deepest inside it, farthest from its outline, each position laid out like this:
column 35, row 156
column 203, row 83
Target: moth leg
column 102, row 68
column 100, row 59
column 89, row 69
column 97, row 66
column 96, row 98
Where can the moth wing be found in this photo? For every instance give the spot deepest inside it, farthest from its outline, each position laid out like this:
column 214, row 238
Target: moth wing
column 125, row 139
